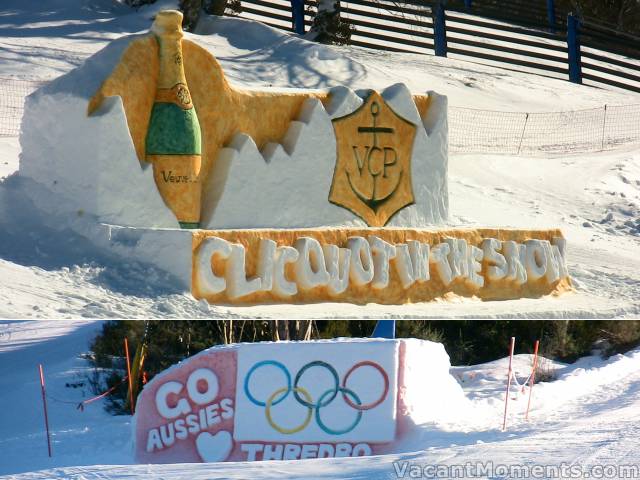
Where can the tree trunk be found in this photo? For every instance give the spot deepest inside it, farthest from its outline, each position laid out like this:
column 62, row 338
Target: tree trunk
column 625, row 6
column 561, row 333
column 291, row 330
column 327, row 25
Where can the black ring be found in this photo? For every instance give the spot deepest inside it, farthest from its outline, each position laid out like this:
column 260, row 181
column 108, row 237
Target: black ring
column 316, row 363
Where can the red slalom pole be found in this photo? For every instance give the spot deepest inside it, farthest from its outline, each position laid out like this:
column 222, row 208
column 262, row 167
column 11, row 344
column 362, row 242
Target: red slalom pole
column 126, row 351
column 506, row 398
column 46, row 415
column 533, row 376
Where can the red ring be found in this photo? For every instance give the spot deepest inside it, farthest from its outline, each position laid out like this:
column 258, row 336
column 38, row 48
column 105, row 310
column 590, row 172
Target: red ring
column 367, row 406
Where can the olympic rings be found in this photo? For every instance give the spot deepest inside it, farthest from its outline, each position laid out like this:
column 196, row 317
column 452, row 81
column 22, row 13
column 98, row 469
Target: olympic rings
column 278, row 428
column 350, row 427
column 303, row 397
column 371, row 405
column 317, row 363
column 254, row 368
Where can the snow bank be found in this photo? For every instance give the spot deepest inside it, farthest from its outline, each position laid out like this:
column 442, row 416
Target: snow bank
column 560, row 389
column 432, row 394
column 293, row 400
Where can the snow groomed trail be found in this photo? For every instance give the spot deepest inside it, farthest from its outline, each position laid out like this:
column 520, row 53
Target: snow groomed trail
column 588, row 418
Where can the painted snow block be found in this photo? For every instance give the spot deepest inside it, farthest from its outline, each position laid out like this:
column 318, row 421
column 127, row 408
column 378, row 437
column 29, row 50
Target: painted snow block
column 259, row 158
column 293, row 400
column 290, row 185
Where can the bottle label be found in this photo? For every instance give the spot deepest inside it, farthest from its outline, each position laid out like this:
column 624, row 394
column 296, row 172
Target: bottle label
column 173, row 131
column 178, row 95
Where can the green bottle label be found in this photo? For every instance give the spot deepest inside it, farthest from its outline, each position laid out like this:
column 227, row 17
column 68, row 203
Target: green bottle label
column 173, row 131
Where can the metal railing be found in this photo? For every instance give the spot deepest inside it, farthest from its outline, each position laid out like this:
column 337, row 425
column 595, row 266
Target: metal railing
column 573, row 50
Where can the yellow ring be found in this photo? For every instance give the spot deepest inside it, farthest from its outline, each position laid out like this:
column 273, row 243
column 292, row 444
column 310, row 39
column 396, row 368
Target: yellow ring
column 278, row 428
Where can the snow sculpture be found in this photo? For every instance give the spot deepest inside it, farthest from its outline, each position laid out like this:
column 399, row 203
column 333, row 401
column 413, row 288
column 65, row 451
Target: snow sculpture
column 300, row 196
column 497, row 264
column 211, row 283
column 535, row 259
column 294, row 400
column 382, row 253
column 237, row 283
column 255, row 135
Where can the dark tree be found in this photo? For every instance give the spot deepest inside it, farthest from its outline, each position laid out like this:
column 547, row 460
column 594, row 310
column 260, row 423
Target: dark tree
column 191, row 10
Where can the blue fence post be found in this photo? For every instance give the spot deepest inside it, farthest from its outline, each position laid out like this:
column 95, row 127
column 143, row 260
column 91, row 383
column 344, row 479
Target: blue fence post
column 551, row 15
column 573, row 45
column 384, row 329
column 439, row 29
column 467, row 3
column 297, row 13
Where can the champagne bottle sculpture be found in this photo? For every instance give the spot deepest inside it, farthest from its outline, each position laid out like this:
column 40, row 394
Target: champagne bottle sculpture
column 173, row 142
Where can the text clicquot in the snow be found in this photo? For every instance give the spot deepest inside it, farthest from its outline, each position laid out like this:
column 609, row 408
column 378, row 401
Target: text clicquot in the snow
column 371, row 263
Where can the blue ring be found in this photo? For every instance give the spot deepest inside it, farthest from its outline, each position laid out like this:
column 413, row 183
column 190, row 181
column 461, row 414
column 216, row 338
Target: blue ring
column 328, row 430
column 253, row 369
column 336, row 379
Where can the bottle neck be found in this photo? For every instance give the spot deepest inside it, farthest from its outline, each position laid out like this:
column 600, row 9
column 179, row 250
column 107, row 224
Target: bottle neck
column 171, row 61
column 172, row 83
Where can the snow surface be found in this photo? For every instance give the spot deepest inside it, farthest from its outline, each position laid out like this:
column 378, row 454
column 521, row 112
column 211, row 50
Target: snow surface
column 590, row 415
column 594, row 198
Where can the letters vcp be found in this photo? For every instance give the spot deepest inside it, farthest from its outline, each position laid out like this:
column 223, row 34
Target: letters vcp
column 372, row 177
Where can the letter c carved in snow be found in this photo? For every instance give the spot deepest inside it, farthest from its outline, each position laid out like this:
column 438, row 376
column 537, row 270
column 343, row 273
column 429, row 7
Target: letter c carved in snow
column 164, row 409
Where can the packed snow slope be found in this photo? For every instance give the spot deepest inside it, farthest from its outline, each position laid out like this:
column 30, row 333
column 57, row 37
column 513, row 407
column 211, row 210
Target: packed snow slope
column 588, row 416
column 594, row 198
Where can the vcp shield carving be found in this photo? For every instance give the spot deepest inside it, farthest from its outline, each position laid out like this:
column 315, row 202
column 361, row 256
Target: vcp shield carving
column 372, row 177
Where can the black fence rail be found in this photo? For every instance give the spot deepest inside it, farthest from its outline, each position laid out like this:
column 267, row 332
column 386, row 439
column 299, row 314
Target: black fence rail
column 527, row 13
column 385, row 25
column 503, row 45
column 609, row 57
column 509, row 35
column 275, row 13
column 601, row 37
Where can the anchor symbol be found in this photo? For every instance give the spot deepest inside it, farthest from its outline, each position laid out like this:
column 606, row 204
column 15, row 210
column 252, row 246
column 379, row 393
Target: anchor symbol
column 377, row 160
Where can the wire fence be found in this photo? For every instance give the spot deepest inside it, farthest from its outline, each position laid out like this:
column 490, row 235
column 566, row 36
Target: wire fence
column 470, row 130
column 12, row 95
column 588, row 130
